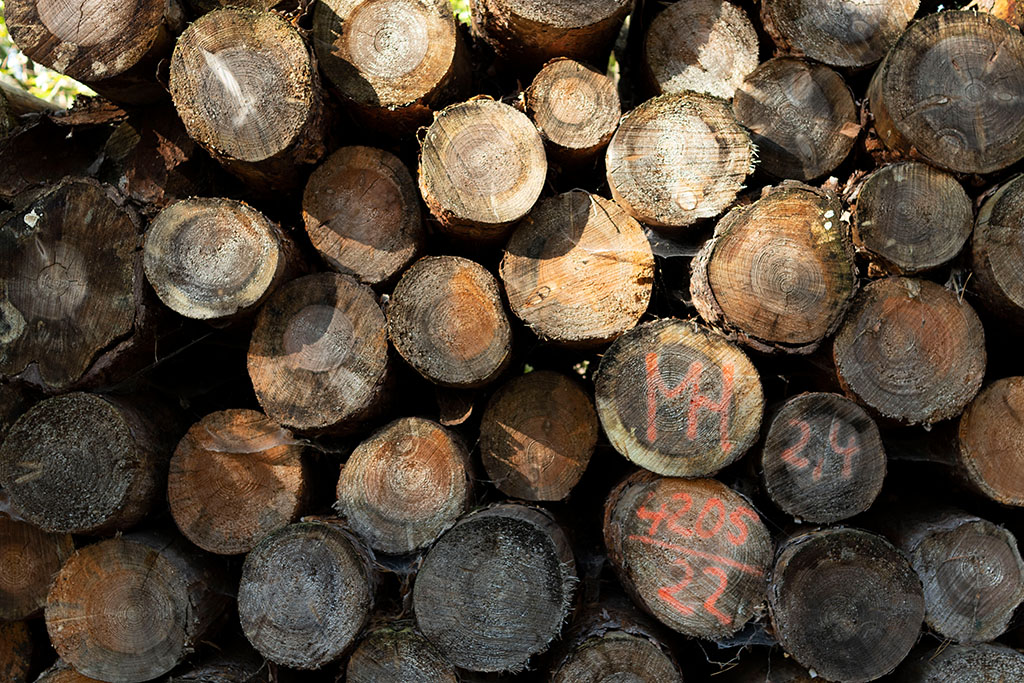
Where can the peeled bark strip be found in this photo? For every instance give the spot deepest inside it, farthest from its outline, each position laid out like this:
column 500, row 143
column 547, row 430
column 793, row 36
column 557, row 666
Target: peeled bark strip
column 962, row 664
column 676, row 159
column 482, row 167
column 845, row 603
column 71, row 283
column 246, row 87
column 992, row 441
column 397, row 654
column 129, row 609
column 823, row 458
column 849, row 33
column 801, row 116
column 306, row 593
column 779, row 273
column 537, row 436
column 29, row 559
column 678, row 399
column 912, row 217
column 706, row 46
column 496, row 588
column 911, row 350
column 362, row 213
column 446, row 320
column 578, row 270
column 84, row 464
column 950, row 91
column 997, row 250
column 318, row 358
column 15, row 652
column 404, row 485
column 575, row 108
column 215, row 258
column 235, row 477
column 692, row 552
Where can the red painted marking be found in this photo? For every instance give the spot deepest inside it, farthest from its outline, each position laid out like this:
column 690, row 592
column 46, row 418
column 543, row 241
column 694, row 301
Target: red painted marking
column 729, row 562
column 709, row 604
column 851, row 448
column 668, row 593
column 655, row 517
column 715, row 503
column 792, row 454
column 687, row 504
column 691, row 387
column 736, row 518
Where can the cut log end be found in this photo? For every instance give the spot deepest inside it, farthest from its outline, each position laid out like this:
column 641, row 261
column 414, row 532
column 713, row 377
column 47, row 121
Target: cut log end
column 997, row 250
column 991, row 434
column 29, row 560
column 618, row 656
column 965, row 664
column 16, row 650
column 397, row 654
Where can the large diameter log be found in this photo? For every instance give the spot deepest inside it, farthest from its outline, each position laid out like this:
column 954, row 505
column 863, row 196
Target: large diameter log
column 987, row 663
column 29, row 559
column 578, row 270
column 16, row 650
column 306, row 593
column 318, row 358
column 246, row 87
column 997, row 250
column 676, row 159
column 447, row 321
column 990, row 437
column 692, row 552
column 405, row 485
column 495, row 589
column 129, row 609
column 950, row 92
column 778, row 274
column 678, row 399
column 911, row 350
column 398, row 653
column 482, row 167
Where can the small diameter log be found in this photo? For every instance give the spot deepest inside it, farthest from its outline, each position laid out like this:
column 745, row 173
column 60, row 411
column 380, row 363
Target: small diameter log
column 987, row 663
column 234, row 664
column 997, row 250
column 404, row 485
column 676, row 159
column 61, row 672
column 578, row 270
column 482, row 167
column 129, row 609
column 678, row 399
column 246, row 87
column 398, row 653
column 495, row 589
column 706, row 46
column 19, row 102
column 849, row 33
column 306, row 593
column 991, row 437
column 910, row 217
column 823, row 458
column 29, row 559
column 537, row 436
column 692, row 552
column 575, row 108
column 215, row 258
column 447, row 321
column 71, row 284
column 16, row 650
column 801, row 117
column 362, row 213
column 318, row 358
column 83, row 463
column 911, row 350
column 950, row 91
column 845, row 603
column 779, row 274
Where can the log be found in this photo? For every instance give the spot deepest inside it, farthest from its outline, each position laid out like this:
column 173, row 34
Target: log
column 318, row 358
column 575, row 108
column 706, row 46
column 823, row 459
column 404, row 485
column 537, row 435
column 676, row 159
column 235, row 477
column 965, row 664
column 246, row 87
column 16, row 650
column 85, row 463
column 911, row 350
column 848, row 33
column 845, row 603
column 362, row 213
column 20, row 103
column 678, row 399
column 990, row 432
column 61, row 672
column 29, row 559
column 306, row 593
column 578, row 270
column 1010, row 11
column 37, row 152
column 495, row 588
column 910, row 217
column 397, row 653
column 129, row 609
column 213, row 259
column 482, row 167
column 778, row 274
column 446, row 319
column 14, row 401
column 997, row 249
column 801, row 116
column 8, row 120
column 692, row 552
column 234, row 665
column 772, row 669
column 928, row 93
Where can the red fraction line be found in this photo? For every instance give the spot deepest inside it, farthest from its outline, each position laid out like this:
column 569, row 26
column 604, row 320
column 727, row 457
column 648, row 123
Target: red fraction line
column 750, row 569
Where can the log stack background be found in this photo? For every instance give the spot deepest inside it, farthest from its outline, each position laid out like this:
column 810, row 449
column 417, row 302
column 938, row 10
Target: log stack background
column 342, row 340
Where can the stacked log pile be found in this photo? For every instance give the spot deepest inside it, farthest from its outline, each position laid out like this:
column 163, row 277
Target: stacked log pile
column 581, row 340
